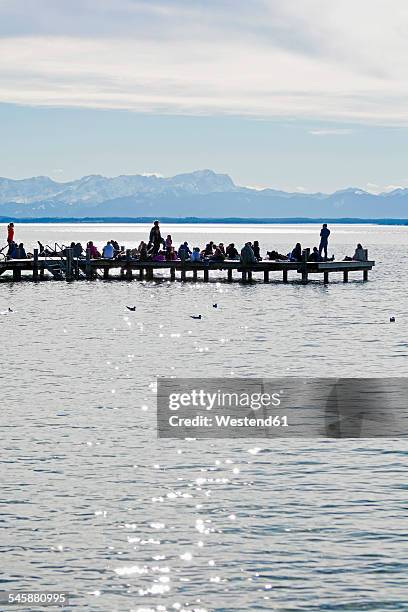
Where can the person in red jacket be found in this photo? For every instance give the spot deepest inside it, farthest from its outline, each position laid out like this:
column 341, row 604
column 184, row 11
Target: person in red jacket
column 94, row 253
column 10, row 233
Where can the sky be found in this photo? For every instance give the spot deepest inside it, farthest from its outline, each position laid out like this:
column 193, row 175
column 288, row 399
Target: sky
column 304, row 96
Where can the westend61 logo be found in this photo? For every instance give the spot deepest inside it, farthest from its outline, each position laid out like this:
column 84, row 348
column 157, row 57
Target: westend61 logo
column 282, row 407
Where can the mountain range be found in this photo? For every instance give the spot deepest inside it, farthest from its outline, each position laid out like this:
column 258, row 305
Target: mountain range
column 202, row 193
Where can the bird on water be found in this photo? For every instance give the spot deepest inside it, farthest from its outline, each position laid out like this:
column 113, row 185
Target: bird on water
column 195, row 316
column 131, row 308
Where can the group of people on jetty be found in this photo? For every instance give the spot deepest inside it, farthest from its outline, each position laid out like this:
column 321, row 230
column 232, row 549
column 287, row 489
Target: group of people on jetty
column 161, row 249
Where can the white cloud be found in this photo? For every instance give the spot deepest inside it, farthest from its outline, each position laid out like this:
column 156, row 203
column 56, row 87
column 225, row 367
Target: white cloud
column 377, row 189
column 315, row 59
column 390, row 188
column 331, row 132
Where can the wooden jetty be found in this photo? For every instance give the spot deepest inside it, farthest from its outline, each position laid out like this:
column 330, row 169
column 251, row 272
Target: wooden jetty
column 68, row 268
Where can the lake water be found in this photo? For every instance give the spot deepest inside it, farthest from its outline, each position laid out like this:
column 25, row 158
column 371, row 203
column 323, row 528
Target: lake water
column 94, row 504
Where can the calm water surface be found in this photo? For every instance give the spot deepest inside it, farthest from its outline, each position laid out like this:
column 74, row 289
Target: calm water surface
column 94, row 504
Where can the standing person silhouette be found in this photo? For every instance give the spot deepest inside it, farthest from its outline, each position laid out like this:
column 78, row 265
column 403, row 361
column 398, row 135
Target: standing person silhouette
column 324, row 239
column 10, row 233
column 155, row 238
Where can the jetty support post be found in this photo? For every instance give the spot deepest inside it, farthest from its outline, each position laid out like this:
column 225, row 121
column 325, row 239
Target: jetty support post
column 35, row 265
column 229, row 275
column 172, row 273
column 326, row 277
column 16, row 274
column 68, row 265
column 365, row 272
column 141, row 274
column 266, row 276
column 122, row 269
column 77, row 274
column 305, row 256
column 244, row 275
column 88, row 268
column 128, row 268
column 285, row 275
column 206, row 275
column 183, row 274
column 345, row 276
column 106, row 272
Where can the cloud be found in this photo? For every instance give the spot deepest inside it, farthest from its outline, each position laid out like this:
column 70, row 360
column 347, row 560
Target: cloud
column 378, row 189
column 313, row 59
column 331, row 132
column 389, row 188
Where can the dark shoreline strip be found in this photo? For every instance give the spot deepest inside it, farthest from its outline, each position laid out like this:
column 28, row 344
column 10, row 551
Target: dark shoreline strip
column 207, row 220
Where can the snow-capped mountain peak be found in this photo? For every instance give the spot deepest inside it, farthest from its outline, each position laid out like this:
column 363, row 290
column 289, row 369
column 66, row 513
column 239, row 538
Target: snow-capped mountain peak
column 100, row 188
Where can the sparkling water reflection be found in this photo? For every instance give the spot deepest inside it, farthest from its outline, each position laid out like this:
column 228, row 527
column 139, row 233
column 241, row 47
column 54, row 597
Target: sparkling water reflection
column 93, row 503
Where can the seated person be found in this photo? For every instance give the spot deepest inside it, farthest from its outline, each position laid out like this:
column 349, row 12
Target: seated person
column 208, row 251
column 160, row 256
column 275, row 256
column 218, row 255
column 94, row 253
column 21, row 251
column 12, row 250
column 222, row 248
column 232, row 252
column 116, row 247
column 184, row 251
column 315, row 255
column 296, row 254
column 142, row 252
column 65, row 250
column 359, row 254
column 171, row 254
column 77, row 250
column 257, row 250
column 195, row 255
column 108, row 251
